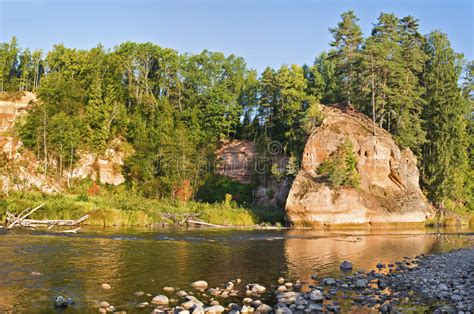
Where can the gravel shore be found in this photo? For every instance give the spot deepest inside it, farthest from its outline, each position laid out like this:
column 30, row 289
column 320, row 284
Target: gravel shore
column 438, row 283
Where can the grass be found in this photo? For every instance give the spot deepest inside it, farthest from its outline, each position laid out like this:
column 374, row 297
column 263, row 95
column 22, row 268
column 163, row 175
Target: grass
column 127, row 209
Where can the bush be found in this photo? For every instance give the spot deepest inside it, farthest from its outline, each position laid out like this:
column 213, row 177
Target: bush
column 340, row 169
column 216, row 187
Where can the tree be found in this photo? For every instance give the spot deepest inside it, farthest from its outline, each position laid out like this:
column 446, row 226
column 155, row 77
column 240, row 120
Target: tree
column 291, row 104
column 322, row 82
column 8, row 64
column 347, row 40
column 26, row 69
column 444, row 155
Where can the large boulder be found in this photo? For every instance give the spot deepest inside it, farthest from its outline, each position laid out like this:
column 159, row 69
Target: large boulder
column 388, row 191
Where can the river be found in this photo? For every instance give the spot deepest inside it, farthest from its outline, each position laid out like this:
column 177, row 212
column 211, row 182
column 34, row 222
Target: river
column 131, row 260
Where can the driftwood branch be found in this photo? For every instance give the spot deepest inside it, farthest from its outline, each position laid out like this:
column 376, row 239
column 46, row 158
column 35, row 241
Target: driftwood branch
column 25, row 213
column 22, row 221
column 182, row 219
column 202, row 223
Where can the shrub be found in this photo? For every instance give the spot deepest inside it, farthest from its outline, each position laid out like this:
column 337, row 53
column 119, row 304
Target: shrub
column 216, row 187
column 340, row 169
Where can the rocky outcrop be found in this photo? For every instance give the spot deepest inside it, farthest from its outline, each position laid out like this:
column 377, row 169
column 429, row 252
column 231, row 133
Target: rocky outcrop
column 107, row 169
column 20, row 169
column 240, row 161
column 388, row 193
column 235, row 159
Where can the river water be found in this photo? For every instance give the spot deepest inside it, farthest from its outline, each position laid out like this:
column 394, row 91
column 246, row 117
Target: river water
column 75, row 265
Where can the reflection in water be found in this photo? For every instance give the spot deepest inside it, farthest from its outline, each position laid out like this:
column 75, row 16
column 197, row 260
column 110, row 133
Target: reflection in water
column 76, row 265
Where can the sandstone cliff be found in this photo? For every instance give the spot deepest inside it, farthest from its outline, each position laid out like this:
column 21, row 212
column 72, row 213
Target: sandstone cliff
column 240, row 161
column 20, row 169
column 388, row 192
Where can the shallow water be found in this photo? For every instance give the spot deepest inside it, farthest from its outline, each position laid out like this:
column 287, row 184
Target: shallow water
column 75, row 265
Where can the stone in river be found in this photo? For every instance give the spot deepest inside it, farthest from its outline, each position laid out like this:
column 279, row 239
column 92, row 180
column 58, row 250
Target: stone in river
column 139, row 293
column 104, row 304
column 316, row 296
column 247, row 309
column 198, row 310
column 215, row 309
column 168, row 289
column 160, row 300
column 282, row 289
column 361, row 283
column 199, row 285
column 256, row 288
column 264, row 308
column 60, row 301
column 181, row 293
column 247, row 301
column 106, row 286
column 281, row 280
column 283, row 310
column 346, row 266
column 329, row 281
column 142, row 305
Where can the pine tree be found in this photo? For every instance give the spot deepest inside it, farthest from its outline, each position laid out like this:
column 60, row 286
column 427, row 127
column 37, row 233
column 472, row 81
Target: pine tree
column 444, row 155
column 408, row 88
column 347, row 40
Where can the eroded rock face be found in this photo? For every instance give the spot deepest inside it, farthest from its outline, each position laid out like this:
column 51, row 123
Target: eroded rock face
column 240, row 161
column 234, row 159
column 106, row 169
column 23, row 166
column 389, row 191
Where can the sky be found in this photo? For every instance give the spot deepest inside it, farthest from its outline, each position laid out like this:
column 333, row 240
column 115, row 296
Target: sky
column 265, row 33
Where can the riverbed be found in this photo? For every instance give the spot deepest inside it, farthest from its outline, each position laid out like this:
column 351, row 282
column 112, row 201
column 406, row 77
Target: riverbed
column 36, row 266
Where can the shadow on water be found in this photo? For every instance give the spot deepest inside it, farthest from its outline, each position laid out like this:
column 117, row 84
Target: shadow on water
column 147, row 260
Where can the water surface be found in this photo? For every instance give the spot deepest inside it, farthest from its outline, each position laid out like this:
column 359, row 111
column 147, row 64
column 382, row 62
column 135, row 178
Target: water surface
column 75, row 265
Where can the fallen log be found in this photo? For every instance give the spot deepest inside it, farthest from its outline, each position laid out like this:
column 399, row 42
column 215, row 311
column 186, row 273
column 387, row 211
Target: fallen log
column 23, row 215
column 55, row 222
column 202, row 223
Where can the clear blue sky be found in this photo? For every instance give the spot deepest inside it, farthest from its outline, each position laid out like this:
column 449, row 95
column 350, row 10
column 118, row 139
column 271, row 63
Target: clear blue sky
column 263, row 32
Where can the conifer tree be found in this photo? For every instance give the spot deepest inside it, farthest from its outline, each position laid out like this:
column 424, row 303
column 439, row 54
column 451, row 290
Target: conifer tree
column 347, row 40
column 444, row 155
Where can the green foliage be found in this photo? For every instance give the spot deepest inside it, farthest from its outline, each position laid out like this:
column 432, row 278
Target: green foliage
column 218, row 188
column 292, row 167
column 340, row 169
column 276, row 172
column 347, row 40
column 313, row 118
column 127, row 209
column 445, row 162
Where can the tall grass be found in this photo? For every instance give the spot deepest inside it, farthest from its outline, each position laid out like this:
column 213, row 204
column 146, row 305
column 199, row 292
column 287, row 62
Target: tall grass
column 128, row 209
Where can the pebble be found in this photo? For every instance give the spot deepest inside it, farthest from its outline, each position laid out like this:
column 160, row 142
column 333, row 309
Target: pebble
column 106, row 286
column 215, row 309
column 142, row 305
column 168, row 289
column 264, row 308
column 160, row 300
column 346, row 266
column 104, row 304
column 199, row 285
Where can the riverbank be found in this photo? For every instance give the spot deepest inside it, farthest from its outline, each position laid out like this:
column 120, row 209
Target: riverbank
column 128, row 210
column 439, row 283
column 442, row 283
